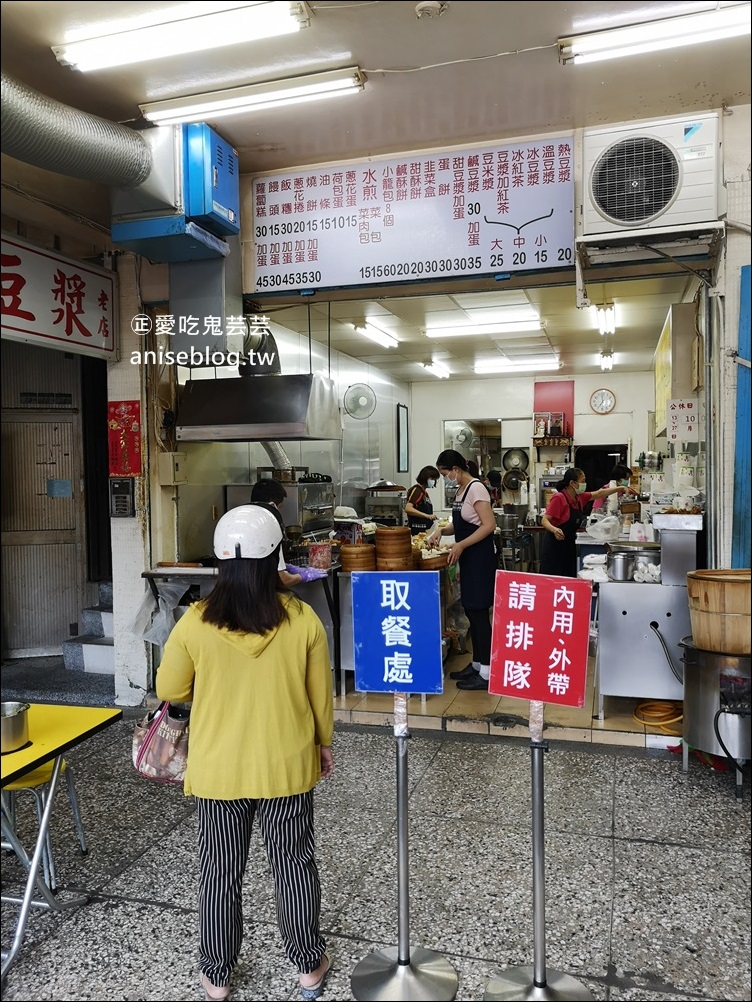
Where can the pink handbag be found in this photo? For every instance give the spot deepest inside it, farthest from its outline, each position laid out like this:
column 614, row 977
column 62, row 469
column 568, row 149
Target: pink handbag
column 160, row 744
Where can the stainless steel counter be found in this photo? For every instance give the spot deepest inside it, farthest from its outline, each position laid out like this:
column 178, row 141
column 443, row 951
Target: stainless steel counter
column 322, row 595
column 631, row 661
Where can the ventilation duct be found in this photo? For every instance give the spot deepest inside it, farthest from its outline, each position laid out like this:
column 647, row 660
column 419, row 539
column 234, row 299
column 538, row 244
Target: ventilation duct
column 263, row 408
column 45, row 133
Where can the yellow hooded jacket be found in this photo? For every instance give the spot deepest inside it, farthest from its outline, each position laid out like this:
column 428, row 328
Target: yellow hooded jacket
column 262, row 704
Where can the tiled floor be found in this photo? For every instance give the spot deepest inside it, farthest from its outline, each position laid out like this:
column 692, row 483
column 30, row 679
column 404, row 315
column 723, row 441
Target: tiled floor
column 481, row 713
column 647, row 872
column 47, row 680
column 647, row 867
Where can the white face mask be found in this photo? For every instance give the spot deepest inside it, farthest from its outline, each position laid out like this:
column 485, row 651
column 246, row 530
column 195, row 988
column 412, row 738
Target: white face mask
column 449, row 482
column 431, row 483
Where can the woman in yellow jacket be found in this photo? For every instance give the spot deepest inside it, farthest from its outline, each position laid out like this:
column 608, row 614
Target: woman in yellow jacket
column 254, row 662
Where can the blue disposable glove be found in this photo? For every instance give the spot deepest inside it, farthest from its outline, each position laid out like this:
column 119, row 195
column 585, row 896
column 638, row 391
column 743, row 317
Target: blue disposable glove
column 306, row 573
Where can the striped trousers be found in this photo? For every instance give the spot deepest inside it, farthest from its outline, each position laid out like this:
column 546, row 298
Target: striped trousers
column 224, row 838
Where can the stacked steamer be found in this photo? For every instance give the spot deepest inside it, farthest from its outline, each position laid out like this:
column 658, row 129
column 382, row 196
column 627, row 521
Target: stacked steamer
column 428, row 559
column 357, row 557
column 394, row 550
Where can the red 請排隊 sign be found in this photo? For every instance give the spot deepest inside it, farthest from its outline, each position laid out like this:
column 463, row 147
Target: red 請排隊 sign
column 541, row 631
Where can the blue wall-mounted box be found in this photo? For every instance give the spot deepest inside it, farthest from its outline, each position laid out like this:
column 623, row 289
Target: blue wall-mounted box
column 212, row 180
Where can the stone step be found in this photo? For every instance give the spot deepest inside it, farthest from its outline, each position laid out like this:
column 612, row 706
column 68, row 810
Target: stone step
column 97, row 621
column 105, row 594
column 90, row 653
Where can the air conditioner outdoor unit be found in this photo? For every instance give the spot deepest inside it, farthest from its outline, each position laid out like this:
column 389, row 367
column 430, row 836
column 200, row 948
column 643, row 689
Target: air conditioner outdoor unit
column 650, row 175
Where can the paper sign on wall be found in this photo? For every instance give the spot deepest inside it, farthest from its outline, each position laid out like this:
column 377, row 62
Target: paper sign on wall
column 685, row 420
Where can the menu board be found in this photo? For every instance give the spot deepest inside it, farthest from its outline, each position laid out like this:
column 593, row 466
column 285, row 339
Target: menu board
column 495, row 210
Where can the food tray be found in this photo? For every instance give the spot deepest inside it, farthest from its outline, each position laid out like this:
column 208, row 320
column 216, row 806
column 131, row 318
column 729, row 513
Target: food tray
column 689, row 522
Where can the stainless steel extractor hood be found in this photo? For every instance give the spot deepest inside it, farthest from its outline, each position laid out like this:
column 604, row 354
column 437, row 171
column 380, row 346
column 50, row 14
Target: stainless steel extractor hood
column 259, row 408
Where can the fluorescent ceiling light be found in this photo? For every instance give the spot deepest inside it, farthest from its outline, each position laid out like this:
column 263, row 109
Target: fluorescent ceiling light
column 436, row 369
column 380, row 337
column 653, row 36
column 484, row 330
column 605, row 317
column 255, row 97
column 607, row 361
column 529, row 365
column 189, row 31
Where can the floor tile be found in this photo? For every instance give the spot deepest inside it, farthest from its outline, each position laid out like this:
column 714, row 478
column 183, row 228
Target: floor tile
column 656, row 800
column 673, row 918
column 647, row 872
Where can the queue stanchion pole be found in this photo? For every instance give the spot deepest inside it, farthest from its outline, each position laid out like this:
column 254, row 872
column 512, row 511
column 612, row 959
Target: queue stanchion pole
column 529, row 984
column 416, row 975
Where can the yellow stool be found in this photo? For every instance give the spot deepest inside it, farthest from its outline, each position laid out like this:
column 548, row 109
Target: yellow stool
column 36, row 783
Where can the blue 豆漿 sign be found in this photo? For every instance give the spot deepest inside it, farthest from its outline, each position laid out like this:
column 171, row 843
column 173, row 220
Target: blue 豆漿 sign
column 397, row 631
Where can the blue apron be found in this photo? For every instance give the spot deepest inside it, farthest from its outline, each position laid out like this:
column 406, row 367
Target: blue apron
column 477, row 562
column 424, row 505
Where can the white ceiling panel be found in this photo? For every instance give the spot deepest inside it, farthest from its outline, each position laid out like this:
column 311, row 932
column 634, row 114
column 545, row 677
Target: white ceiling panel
column 431, row 84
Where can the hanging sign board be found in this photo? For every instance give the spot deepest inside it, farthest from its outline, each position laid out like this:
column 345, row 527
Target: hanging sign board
column 397, row 631
column 541, row 632
column 685, row 420
column 498, row 209
column 56, row 302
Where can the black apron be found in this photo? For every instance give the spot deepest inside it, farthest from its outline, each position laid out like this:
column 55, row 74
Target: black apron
column 420, row 524
column 560, row 557
column 477, row 562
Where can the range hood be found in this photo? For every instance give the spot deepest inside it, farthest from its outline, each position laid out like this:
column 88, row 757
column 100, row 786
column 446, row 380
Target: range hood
column 259, row 408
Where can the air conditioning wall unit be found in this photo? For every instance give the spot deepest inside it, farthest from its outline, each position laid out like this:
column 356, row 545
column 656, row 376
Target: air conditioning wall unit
column 651, row 175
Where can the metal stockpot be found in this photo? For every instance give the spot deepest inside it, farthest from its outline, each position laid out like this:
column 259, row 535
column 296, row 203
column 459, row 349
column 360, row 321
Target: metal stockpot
column 621, row 566
column 507, row 523
column 14, row 726
column 716, row 693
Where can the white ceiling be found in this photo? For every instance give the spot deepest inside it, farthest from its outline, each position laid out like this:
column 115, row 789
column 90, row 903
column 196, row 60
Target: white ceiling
column 487, row 89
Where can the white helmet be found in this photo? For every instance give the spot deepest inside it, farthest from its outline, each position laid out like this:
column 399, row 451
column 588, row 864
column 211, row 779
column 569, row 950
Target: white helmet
column 249, row 531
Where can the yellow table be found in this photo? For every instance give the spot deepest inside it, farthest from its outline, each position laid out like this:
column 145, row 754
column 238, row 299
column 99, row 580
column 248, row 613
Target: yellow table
column 53, row 730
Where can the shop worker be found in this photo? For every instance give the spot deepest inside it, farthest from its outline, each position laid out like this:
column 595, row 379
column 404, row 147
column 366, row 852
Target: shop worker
column 620, row 476
column 493, row 482
column 564, row 516
column 473, row 526
column 418, row 507
column 254, row 662
column 271, row 492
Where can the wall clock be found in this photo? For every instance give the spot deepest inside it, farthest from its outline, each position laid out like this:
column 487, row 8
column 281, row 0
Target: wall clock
column 602, row 401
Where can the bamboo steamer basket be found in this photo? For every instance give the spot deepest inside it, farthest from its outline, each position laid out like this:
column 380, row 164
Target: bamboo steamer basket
column 393, row 542
column 394, row 564
column 358, row 557
column 433, row 563
column 719, row 610
column 393, row 532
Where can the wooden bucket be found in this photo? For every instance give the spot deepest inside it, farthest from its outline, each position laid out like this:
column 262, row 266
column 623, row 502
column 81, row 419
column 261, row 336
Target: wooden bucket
column 433, row 563
column 719, row 610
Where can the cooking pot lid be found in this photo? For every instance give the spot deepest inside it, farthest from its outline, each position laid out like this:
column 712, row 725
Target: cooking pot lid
column 515, row 459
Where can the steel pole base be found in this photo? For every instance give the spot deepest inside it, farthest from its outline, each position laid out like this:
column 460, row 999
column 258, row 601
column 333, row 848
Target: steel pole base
column 428, row 977
column 517, row 983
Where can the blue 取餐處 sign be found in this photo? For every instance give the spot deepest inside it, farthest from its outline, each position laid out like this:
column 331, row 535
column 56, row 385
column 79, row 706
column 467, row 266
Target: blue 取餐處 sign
column 397, row 631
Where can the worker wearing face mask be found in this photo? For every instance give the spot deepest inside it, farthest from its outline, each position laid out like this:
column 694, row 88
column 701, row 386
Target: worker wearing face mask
column 564, row 516
column 418, row 507
column 620, row 476
column 472, row 526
